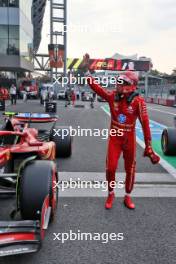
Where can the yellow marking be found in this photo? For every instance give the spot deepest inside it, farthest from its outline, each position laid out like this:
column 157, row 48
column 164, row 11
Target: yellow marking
column 69, row 62
column 99, row 63
column 77, row 64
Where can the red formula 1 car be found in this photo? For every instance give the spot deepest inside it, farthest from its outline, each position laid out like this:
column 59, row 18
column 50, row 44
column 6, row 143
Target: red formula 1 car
column 28, row 170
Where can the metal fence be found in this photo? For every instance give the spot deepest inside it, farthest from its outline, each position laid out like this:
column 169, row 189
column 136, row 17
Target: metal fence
column 164, row 91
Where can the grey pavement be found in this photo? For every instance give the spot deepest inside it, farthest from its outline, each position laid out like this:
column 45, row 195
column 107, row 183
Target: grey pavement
column 149, row 231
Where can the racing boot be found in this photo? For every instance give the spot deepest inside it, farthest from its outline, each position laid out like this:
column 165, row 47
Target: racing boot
column 110, row 200
column 128, row 202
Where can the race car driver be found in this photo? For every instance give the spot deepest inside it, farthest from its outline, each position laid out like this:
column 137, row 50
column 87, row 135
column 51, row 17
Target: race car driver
column 126, row 105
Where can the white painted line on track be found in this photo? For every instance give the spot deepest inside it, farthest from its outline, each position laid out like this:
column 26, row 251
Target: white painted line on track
column 162, row 162
column 156, row 123
column 91, row 184
column 141, row 177
column 161, row 111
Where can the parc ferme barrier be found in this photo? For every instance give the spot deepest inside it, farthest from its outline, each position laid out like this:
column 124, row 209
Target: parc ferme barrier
column 163, row 94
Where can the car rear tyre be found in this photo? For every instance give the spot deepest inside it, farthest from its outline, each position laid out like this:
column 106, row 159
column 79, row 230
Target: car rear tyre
column 63, row 143
column 168, row 141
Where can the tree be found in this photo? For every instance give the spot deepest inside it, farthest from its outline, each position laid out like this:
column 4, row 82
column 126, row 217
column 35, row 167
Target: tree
column 174, row 72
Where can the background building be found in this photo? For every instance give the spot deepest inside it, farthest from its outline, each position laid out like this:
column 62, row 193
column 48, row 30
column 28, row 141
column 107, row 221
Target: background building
column 38, row 10
column 18, row 36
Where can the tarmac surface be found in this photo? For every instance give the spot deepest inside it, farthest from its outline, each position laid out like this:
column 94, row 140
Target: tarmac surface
column 149, row 234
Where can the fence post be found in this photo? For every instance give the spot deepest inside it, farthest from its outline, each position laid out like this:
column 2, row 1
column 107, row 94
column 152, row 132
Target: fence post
column 146, row 85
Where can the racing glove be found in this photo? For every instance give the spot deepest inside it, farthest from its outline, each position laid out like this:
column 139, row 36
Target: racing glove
column 148, row 152
column 85, row 66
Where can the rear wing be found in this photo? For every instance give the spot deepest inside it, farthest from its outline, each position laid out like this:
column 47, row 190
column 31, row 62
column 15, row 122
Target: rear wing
column 32, row 117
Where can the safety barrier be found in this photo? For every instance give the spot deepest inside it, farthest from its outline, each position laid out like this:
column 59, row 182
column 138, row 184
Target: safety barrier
column 160, row 101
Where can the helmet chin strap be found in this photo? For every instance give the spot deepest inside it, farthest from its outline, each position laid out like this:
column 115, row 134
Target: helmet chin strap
column 129, row 96
column 126, row 89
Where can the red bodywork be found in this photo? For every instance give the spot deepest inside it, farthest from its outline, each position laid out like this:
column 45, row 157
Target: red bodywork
column 25, row 236
column 27, row 140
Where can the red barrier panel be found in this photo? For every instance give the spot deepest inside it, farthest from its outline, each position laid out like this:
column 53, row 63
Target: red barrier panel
column 166, row 102
column 160, row 101
column 170, row 102
column 155, row 100
column 149, row 100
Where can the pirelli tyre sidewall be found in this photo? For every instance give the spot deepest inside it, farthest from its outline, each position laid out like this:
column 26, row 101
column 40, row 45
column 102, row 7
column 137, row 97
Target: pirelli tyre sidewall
column 168, row 141
column 36, row 182
column 63, row 143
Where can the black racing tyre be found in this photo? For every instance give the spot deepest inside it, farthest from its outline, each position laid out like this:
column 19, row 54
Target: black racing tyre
column 36, row 182
column 168, row 141
column 63, row 143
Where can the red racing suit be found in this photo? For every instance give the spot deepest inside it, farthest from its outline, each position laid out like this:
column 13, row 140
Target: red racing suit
column 123, row 116
column 73, row 97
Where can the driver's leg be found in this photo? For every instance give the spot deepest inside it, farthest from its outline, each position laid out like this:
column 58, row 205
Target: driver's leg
column 129, row 154
column 113, row 155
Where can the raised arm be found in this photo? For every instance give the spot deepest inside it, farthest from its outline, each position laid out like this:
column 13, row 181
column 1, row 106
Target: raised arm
column 97, row 88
